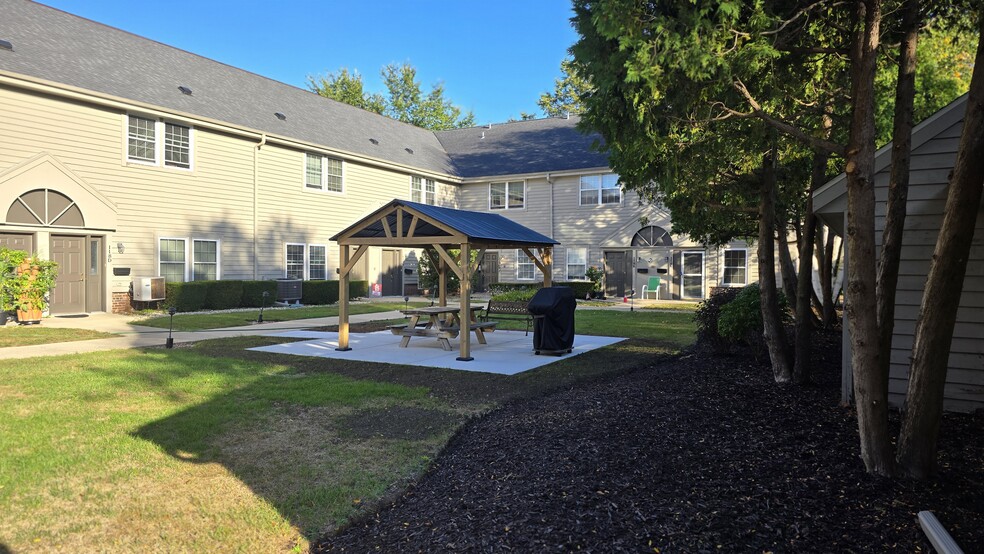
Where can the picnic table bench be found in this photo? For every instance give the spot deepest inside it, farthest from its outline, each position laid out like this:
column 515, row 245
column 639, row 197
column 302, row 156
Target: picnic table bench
column 512, row 309
column 441, row 323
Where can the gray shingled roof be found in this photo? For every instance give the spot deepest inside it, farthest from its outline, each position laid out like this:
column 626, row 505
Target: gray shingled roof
column 57, row 46
column 534, row 146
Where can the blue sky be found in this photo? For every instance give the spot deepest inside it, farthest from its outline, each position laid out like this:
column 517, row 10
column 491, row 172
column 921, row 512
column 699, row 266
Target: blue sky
column 495, row 57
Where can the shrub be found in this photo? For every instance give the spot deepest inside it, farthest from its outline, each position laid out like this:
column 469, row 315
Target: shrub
column 317, row 292
column 515, row 295
column 741, row 319
column 581, row 288
column 185, row 297
column 253, row 293
column 223, row 295
column 356, row 289
column 707, row 315
column 499, row 288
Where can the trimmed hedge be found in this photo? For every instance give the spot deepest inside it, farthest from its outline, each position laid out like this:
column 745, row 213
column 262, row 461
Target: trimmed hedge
column 185, row 297
column 253, row 293
column 581, row 288
column 223, row 295
column 196, row 296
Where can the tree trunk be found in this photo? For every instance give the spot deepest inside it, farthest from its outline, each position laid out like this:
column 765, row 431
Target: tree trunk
column 938, row 312
column 787, row 268
column 898, row 185
column 773, row 333
column 869, row 379
column 804, row 291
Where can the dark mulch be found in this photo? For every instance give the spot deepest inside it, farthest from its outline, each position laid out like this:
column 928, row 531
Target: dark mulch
column 700, row 454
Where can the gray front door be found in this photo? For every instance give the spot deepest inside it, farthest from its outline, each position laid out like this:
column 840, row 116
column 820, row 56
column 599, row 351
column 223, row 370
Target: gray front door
column 17, row 241
column 94, row 275
column 68, row 296
column 617, row 273
column 392, row 273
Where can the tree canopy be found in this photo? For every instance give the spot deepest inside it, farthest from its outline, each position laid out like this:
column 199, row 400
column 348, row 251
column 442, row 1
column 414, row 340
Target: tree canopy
column 404, row 99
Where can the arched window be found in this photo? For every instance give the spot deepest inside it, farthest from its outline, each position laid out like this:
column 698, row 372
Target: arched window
column 652, row 236
column 45, row 207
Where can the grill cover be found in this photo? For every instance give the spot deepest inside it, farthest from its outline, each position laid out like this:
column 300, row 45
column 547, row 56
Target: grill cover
column 553, row 323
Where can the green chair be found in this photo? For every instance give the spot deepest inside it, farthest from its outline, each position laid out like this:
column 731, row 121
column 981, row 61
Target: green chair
column 652, row 287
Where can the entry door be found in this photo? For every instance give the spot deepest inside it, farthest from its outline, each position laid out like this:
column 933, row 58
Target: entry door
column 94, row 275
column 490, row 271
column 693, row 275
column 68, row 296
column 15, row 241
column 392, row 273
column 617, row 273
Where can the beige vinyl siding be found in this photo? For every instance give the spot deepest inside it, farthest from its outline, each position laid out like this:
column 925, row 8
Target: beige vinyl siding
column 931, row 165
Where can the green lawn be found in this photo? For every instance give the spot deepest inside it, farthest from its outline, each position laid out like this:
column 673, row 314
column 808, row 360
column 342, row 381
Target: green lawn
column 197, row 322
column 216, row 448
column 27, row 335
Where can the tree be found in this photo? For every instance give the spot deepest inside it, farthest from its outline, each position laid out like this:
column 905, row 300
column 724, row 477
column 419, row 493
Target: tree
column 407, row 103
column 348, row 88
column 568, row 93
column 938, row 310
column 404, row 100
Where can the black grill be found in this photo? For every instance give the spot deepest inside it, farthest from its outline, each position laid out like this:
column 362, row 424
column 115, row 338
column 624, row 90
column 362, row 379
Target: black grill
column 553, row 320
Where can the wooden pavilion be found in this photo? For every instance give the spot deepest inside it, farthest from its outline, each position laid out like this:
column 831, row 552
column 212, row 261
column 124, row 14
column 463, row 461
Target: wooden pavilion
column 401, row 223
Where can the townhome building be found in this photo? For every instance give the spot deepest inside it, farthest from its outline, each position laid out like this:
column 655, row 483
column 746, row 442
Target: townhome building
column 122, row 157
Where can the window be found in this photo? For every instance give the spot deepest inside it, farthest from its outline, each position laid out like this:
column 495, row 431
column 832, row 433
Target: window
column 172, row 260
column 422, row 190
column 577, row 264
column 525, row 268
column 177, row 146
column 205, row 260
column 600, row 189
column 322, row 173
column 507, row 196
column 143, row 145
column 735, row 267
column 650, row 236
column 317, row 262
column 295, row 261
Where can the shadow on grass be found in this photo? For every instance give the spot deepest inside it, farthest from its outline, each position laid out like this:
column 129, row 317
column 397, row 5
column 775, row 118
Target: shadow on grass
column 319, row 439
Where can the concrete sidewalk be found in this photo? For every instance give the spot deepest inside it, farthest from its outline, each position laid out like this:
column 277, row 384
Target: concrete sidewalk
column 136, row 336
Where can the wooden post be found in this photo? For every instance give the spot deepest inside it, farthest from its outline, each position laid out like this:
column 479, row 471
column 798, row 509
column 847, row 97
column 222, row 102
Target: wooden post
column 442, row 282
column 343, row 308
column 547, row 257
column 464, row 335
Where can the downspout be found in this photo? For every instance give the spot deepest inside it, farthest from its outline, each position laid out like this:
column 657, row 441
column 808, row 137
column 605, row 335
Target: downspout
column 256, row 195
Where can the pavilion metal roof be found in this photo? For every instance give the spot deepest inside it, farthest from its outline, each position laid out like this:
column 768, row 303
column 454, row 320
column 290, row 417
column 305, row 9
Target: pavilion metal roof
column 423, row 224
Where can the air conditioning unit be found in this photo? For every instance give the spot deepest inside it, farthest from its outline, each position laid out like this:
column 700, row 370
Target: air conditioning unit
column 288, row 289
column 148, row 289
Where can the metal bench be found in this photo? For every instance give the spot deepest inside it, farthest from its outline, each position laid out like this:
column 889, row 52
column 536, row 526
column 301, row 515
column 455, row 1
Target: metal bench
column 513, row 310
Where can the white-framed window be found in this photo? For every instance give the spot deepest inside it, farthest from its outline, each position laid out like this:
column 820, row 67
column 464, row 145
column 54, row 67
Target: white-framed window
column 422, row 190
column 600, row 189
column 525, row 268
column 153, row 142
column 317, row 262
column 735, row 264
column 322, row 173
column 171, row 256
column 577, row 264
column 204, row 260
column 294, row 260
column 510, row 195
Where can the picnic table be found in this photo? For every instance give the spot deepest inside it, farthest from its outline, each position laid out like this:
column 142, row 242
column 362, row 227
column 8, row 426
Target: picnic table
column 443, row 323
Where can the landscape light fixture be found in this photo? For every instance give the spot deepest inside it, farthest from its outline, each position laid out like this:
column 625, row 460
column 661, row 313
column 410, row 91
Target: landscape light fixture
column 262, row 304
column 406, row 305
column 632, row 300
column 170, row 340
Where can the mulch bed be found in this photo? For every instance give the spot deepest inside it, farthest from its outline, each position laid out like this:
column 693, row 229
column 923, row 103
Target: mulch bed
column 702, row 454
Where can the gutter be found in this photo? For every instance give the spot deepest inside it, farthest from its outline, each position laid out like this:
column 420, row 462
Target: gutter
column 256, row 197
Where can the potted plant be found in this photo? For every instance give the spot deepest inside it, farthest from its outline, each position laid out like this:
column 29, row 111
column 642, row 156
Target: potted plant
column 594, row 275
column 34, row 280
column 9, row 261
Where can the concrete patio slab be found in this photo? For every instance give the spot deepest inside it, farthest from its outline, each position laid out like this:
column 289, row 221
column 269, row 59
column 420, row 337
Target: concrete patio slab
column 507, row 352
